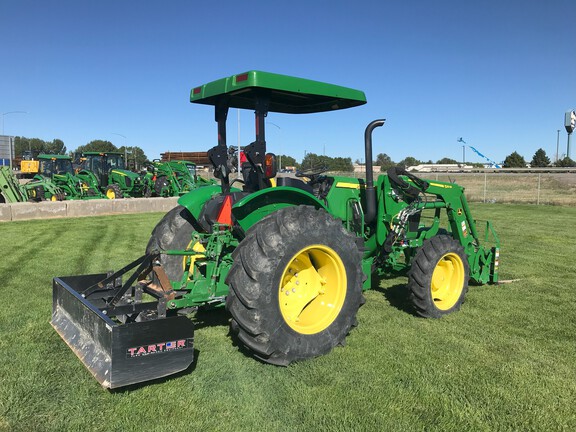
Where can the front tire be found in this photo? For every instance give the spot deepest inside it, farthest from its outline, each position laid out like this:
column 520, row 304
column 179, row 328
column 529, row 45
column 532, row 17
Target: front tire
column 295, row 285
column 438, row 277
column 162, row 187
column 114, row 192
column 147, row 193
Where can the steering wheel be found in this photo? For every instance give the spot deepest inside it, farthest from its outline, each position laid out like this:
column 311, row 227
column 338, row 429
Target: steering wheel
column 410, row 192
column 312, row 173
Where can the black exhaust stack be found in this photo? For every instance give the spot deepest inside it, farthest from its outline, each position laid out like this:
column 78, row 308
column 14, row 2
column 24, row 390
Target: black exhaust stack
column 370, row 192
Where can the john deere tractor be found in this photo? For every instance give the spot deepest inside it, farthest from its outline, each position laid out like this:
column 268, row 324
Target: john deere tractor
column 107, row 171
column 175, row 178
column 290, row 263
column 59, row 170
column 36, row 190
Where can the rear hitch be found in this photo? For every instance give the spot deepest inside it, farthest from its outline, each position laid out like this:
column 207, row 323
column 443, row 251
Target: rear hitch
column 120, row 331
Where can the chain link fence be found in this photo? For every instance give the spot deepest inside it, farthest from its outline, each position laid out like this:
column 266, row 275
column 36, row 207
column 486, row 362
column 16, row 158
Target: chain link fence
column 529, row 188
column 500, row 187
column 509, row 187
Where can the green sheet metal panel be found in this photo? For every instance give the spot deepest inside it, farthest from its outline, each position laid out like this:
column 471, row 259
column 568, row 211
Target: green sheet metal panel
column 287, row 94
column 54, row 156
column 103, row 152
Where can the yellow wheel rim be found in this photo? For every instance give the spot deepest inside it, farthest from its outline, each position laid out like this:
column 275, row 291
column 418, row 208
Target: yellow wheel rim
column 53, row 198
column 447, row 281
column 110, row 194
column 312, row 289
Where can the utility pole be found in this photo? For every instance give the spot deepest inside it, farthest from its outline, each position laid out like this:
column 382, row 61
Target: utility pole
column 11, row 112
column 557, row 144
column 569, row 124
column 280, row 143
column 463, row 150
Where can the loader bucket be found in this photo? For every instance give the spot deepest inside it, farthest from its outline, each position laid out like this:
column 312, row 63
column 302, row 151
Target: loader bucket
column 118, row 354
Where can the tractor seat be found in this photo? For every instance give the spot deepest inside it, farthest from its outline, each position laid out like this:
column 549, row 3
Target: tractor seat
column 295, row 183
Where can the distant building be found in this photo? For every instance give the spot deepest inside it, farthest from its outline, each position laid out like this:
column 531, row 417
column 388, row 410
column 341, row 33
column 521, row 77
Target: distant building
column 6, row 150
column 199, row 158
column 440, row 168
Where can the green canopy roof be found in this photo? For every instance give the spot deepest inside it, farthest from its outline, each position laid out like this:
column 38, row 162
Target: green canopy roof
column 286, row 94
column 91, row 153
column 54, row 156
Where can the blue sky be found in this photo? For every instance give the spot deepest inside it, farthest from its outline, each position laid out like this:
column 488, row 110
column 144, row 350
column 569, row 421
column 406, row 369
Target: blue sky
column 500, row 74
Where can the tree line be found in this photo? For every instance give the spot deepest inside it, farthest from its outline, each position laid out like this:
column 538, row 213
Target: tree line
column 513, row 160
column 539, row 160
column 135, row 156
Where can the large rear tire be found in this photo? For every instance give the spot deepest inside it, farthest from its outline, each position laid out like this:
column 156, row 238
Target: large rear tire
column 173, row 232
column 438, row 277
column 295, row 285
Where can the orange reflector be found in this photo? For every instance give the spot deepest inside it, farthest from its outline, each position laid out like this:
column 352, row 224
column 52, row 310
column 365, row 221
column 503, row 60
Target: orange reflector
column 269, row 165
column 225, row 215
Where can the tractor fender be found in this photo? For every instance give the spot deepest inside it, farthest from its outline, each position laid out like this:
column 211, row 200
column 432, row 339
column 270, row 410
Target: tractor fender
column 194, row 200
column 254, row 207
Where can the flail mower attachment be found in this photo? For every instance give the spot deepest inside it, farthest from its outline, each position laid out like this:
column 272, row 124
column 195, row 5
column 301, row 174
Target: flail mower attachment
column 120, row 331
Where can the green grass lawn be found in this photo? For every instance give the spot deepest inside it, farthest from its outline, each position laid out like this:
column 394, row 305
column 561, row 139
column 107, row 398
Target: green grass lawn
column 506, row 361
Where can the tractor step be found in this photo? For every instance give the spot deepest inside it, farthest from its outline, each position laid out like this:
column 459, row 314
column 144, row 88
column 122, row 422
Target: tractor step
column 115, row 348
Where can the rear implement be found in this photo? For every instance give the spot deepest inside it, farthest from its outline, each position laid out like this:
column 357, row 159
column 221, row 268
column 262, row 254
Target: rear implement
column 119, row 337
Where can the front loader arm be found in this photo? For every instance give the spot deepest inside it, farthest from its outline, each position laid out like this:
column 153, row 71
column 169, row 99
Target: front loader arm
column 483, row 259
column 406, row 196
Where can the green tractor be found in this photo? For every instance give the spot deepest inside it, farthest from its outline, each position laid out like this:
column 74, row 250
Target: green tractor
column 10, row 188
column 107, row 171
column 59, row 170
column 176, row 178
column 36, row 190
column 43, row 189
column 290, row 263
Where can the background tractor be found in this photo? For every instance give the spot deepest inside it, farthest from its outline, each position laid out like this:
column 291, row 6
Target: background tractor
column 59, row 170
column 107, row 171
column 290, row 263
column 38, row 189
column 28, row 165
column 176, row 177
